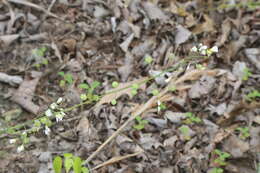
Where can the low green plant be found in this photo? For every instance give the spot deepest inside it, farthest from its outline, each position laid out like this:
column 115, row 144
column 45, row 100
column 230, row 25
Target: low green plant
column 217, row 170
column 113, row 102
column 148, row 59
column 190, row 118
column 134, row 89
column 89, row 91
column 185, row 131
column 70, row 162
column 252, row 95
column 140, row 123
column 67, row 79
column 243, row 132
column 115, row 84
column 221, row 157
column 246, row 74
column 160, row 106
column 155, row 92
column 38, row 54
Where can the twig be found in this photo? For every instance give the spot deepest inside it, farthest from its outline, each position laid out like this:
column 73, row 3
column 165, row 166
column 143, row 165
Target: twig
column 26, row 3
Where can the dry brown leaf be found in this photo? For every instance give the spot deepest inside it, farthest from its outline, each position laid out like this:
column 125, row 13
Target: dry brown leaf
column 225, row 29
column 23, row 96
column 207, row 26
column 121, row 90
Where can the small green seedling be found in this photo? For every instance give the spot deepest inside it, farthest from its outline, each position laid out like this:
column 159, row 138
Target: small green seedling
column 113, row 102
column 115, row 84
column 89, row 91
column 70, row 162
column 217, row 170
column 243, row 132
column 67, row 78
column 148, row 59
column 246, row 74
column 252, row 95
column 140, row 123
column 221, row 157
column 155, row 92
column 134, row 87
column 38, row 54
column 190, row 118
column 185, row 131
column 200, row 67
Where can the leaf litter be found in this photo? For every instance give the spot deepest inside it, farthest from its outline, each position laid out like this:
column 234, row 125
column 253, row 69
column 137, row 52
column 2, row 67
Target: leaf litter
column 107, row 41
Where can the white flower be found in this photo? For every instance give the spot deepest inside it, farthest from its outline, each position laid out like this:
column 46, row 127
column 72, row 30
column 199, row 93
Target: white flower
column 59, row 116
column 12, row 141
column 194, row 49
column 203, row 52
column 20, row 148
column 203, row 48
column 53, row 106
column 48, row 113
column 214, row 49
column 47, row 130
column 158, row 105
column 59, row 100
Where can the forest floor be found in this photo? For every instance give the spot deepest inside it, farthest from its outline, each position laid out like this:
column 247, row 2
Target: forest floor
column 130, row 86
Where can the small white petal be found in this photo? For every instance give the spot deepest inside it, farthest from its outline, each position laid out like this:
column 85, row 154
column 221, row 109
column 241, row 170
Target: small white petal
column 203, row 52
column 47, row 130
column 12, row 141
column 194, row 49
column 203, row 48
column 59, row 100
column 53, row 106
column 20, row 148
column 214, row 49
column 48, row 113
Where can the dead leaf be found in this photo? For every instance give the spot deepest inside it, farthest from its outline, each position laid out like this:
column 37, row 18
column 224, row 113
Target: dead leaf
column 182, row 35
column 235, row 146
column 253, row 54
column 225, row 29
column 207, row 26
column 23, row 96
column 8, row 39
column 124, row 46
column 154, row 12
column 123, row 88
column 12, row 80
column 202, row 87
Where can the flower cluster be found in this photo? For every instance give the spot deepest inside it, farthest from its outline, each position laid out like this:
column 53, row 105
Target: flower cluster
column 204, row 50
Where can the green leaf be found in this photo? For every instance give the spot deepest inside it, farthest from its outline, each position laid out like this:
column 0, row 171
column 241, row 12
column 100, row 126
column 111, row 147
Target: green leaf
column 62, row 83
column 57, row 164
column 148, row 59
column 113, row 102
column 84, row 170
column 138, row 126
column 61, row 73
column 95, row 84
column 68, row 155
column 138, row 118
column 77, row 165
column 83, row 97
column 135, row 86
column 68, row 163
column 83, row 86
column 155, row 92
column 68, row 77
column 115, row 84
